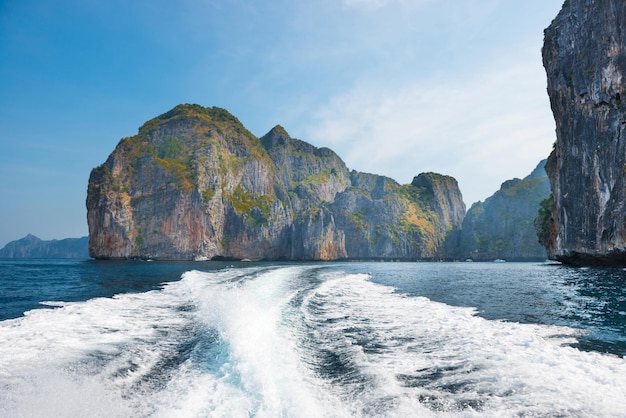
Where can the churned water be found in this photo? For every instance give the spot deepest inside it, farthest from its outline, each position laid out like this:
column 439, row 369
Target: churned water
column 207, row 339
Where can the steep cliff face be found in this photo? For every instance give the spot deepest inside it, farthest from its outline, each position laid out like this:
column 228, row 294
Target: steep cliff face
column 195, row 184
column 584, row 55
column 444, row 200
column 306, row 179
column 383, row 219
column 169, row 191
column 503, row 225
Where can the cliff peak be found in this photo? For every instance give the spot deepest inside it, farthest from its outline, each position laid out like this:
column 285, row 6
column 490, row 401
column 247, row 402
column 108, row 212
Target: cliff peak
column 278, row 130
column 432, row 180
column 31, row 237
column 275, row 137
column 508, row 184
column 190, row 113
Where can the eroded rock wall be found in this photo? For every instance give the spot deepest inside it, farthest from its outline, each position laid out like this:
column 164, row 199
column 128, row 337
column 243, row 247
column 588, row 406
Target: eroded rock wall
column 584, row 55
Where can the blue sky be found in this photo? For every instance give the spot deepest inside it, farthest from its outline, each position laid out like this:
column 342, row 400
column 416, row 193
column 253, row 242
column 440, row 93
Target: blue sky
column 395, row 87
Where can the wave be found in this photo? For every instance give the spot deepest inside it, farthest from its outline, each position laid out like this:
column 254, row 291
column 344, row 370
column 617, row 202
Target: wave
column 301, row 341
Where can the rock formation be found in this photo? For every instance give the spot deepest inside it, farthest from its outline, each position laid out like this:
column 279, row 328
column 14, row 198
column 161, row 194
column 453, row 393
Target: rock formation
column 32, row 247
column 194, row 183
column 584, row 55
column 501, row 227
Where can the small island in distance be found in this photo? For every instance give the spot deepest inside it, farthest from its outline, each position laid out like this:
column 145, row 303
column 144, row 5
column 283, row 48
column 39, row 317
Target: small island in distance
column 33, row 247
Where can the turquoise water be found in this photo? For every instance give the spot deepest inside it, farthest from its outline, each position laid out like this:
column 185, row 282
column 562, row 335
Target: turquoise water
column 320, row 339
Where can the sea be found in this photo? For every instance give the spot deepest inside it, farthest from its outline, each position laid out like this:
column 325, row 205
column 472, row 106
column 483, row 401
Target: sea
column 85, row 338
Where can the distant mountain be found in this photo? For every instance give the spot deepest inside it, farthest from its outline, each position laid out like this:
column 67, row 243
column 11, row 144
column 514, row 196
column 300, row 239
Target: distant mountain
column 32, row 247
column 502, row 226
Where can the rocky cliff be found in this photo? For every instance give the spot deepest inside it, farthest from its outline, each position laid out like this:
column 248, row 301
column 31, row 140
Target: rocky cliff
column 503, row 225
column 584, row 56
column 32, row 247
column 194, row 183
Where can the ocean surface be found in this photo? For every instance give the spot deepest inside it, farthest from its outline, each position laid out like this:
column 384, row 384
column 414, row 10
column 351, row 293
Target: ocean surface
column 217, row 339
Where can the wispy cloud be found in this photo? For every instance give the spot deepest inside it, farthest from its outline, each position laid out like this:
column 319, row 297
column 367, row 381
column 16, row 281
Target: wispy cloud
column 370, row 4
column 377, row 4
column 482, row 129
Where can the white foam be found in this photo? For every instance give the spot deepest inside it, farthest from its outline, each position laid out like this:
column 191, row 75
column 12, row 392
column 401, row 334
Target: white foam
column 60, row 393
column 253, row 339
column 453, row 358
column 83, row 356
column 99, row 355
column 250, row 317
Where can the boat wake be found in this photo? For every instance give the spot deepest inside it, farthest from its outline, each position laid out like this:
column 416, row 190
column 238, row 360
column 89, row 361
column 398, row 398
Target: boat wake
column 299, row 341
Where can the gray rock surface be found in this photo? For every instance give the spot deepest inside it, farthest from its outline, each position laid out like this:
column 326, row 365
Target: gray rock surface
column 584, row 55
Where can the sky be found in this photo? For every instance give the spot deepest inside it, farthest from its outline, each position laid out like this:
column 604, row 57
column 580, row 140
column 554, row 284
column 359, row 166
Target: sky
column 395, row 87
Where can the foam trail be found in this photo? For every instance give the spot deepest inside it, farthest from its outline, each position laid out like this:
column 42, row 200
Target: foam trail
column 411, row 348
column 80, row 360
column 252, row 317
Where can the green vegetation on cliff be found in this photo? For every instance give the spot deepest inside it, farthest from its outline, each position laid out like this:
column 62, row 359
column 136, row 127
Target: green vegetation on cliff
column 255, row 207
column 544, row 219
